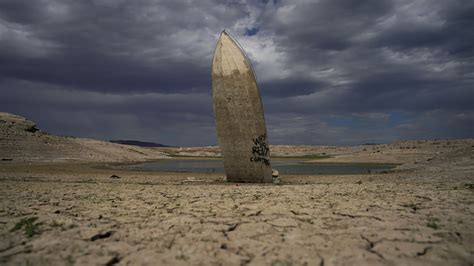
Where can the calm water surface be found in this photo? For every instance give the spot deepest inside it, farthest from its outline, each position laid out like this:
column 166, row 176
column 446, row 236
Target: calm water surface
column 284, row 166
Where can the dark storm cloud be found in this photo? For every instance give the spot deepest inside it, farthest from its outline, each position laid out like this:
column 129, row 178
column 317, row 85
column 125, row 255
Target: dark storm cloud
column 330, row 71
column 384, row 56
column 450, row 30
column 324, row 25
column 112, row 45
column 290, row 87
column 94, row 71
column 152, row 116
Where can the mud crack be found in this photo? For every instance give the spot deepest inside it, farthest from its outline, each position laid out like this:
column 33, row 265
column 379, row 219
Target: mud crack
column 102, row 235
column 371, row 246
column 357, row 216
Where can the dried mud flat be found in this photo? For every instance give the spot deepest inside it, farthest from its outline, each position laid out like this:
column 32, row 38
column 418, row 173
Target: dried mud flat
column 66, row 213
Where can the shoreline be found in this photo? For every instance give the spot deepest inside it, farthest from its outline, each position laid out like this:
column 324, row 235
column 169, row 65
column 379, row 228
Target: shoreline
column 80, row 213
column 83, row 212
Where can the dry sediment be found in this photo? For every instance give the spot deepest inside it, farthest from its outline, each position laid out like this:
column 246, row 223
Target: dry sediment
column 422, row 215
column 84, row 213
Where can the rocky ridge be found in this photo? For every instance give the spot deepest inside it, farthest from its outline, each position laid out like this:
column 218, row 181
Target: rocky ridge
column 21, row 140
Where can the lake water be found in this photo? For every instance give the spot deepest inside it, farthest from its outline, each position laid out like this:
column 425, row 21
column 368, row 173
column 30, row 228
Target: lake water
column 284, row 166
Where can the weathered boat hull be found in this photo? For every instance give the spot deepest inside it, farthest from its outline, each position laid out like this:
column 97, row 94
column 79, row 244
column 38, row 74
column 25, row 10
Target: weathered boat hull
column 239, row 116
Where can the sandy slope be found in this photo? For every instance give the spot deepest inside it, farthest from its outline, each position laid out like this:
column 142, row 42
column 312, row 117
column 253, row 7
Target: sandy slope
column 397, row 153
column 21, row 140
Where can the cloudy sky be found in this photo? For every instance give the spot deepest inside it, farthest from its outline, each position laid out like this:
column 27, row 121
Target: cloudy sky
column 330, row 71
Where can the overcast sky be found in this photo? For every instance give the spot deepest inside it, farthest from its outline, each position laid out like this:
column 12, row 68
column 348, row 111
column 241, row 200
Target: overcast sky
column 329, row 71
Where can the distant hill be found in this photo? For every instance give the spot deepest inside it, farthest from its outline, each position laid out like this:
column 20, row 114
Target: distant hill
column 22, row 140
column 138, row 143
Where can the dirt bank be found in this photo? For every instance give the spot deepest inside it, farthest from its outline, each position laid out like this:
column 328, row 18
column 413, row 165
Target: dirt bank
column 77, row 214
column 61, row 205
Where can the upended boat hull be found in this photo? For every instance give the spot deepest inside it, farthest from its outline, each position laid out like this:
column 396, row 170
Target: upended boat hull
column 239, row 116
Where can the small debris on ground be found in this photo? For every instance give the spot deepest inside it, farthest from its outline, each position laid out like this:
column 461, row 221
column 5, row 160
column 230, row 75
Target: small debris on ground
column 101, row 235
column 275, row 173
column 276, row 177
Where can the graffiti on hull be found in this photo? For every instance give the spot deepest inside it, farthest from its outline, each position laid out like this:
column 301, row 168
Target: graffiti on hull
column 260, row 150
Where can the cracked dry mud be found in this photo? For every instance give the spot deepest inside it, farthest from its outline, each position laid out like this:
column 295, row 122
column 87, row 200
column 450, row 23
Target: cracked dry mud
column 86, row 218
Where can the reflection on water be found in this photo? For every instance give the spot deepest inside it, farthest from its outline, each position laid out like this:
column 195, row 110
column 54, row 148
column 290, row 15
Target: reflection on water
column 285, row 166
